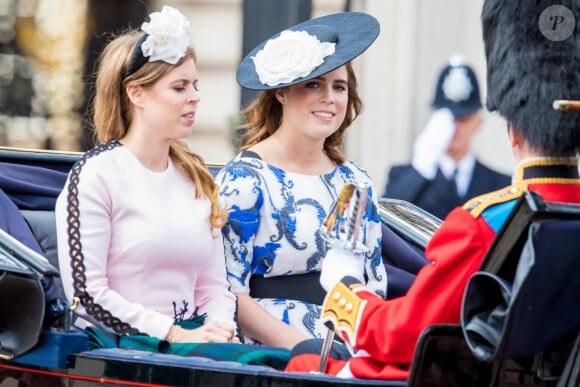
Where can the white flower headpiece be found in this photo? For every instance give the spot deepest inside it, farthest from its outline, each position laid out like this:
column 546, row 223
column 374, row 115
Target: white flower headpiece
column 293, row 54
column 168, row 35
column 166, row 38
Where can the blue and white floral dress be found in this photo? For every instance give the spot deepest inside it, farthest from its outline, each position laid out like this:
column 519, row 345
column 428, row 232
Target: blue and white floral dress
column 274, row 229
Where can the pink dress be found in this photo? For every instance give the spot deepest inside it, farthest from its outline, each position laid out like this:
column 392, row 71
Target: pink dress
column 147, row 255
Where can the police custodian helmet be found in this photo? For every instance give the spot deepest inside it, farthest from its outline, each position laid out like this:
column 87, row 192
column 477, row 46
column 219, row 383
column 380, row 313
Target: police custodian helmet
column 457, row 89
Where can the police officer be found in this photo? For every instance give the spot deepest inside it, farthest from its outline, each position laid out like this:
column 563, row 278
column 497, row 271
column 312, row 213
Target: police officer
column 444, row 172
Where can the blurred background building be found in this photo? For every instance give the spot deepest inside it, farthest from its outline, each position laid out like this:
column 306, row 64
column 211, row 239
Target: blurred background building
column 48, row 50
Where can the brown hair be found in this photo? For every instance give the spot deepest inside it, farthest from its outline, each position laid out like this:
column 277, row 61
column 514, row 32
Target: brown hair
column 112, row 112
column 264, row 116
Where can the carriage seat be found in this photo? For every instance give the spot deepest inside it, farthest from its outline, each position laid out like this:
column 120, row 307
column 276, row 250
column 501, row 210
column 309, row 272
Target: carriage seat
column 43, row 226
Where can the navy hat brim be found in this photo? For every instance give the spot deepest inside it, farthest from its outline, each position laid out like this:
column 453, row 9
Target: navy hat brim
column 355, row 32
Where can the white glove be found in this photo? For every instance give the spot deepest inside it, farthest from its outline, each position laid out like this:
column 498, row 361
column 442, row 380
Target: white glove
column 340, row 263
column 432, row 143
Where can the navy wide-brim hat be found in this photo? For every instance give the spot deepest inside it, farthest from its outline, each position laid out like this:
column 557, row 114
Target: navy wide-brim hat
column 351, row 32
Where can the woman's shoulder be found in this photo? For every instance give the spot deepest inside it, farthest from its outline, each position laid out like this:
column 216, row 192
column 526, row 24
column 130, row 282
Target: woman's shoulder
column 102, row 154
column 243, row 164
column 100, row 159
column 352, row 170
column 91, row 174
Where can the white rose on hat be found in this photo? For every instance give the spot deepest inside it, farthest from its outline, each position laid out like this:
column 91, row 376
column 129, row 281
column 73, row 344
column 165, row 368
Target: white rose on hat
column 291, row 55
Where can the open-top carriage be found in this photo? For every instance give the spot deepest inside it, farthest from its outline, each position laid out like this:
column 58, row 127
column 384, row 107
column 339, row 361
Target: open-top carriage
column 536, row 342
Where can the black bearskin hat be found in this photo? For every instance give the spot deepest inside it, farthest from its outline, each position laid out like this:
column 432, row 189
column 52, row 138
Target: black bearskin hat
column 533, row 58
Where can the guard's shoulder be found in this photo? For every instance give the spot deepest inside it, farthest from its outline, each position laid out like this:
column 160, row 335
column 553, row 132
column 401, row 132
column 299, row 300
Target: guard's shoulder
column 480, row 203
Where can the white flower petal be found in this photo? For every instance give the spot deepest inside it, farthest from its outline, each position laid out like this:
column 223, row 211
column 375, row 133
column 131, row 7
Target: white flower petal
column 292, row 55
column 168, row 35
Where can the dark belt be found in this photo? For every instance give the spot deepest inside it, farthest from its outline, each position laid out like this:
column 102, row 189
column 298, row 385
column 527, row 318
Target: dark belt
column 304, row 287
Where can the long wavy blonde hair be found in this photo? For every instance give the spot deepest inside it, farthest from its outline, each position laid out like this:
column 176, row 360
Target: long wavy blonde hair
column 264, row 116
column 112, row 112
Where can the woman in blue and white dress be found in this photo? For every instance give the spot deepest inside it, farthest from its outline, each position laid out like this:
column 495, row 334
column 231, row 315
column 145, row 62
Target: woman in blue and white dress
column 288, row 176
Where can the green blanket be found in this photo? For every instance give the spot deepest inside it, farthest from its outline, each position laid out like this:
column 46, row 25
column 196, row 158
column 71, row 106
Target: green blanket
column 274, row 357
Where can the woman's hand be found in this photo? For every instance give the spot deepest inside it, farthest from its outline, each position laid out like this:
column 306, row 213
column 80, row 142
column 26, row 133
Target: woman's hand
column 211, row 332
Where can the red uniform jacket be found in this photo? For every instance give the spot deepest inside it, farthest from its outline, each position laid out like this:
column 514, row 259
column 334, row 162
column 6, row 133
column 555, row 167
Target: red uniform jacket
column 387, row 331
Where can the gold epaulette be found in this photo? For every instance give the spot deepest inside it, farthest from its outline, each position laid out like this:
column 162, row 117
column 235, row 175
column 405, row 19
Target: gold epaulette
column 479, row 203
